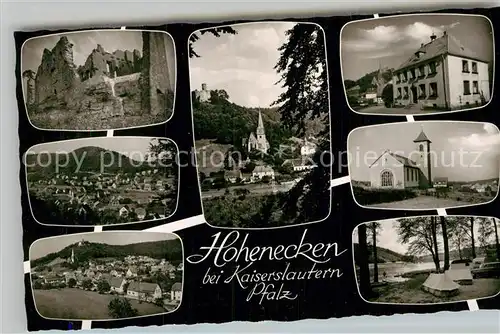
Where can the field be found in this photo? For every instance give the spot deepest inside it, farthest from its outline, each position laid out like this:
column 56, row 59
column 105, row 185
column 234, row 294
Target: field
column 410, row 291
column 75, row 304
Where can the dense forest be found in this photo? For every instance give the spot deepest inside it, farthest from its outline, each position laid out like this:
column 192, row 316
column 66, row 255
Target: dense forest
column 170, row 250
column 365, row 82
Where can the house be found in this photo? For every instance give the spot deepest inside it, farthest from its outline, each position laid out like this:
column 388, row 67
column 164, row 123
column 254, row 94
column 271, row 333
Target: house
column 442, row 73
column 371, row 95
column 232, row 175
column 132, row 272
column 176, row 292
column 141, row 213
column 260, row 171
column 354, row 91
column 123, row 211
column 391, row 170
column 308, row 148
column 299, row 165
column 117, row 284
column 144, row 291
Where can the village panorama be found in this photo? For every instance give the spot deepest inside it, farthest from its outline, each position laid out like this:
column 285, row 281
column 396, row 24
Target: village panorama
column 425, row 165
column 102, row 181
column 98, row 80
column 256, row 166
column 428, row 259
column 108, row 275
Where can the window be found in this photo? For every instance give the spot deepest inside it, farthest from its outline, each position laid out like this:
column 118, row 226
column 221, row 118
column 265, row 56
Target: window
column 403, row 77
column 406, row 93
column 421, row 71
column 433, row 89
column 397, row 78
column 465, row 66
column 412, row 73
column 399, row 93
column 407, row 173
column 386, row 179
column 475, row 87
column 422, row 93
column 432, row 67
column 421, row 147
column 466, row 87
column 474, row 67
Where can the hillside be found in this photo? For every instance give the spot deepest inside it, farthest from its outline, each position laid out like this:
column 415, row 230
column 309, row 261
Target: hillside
column 167, row 249
column 365, row 81
column 383, row 255
column 83, row 159
column 225, row 122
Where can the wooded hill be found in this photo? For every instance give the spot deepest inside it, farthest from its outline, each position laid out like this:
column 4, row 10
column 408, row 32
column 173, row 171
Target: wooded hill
column 365, row 82
column 166, row 249
column 383, row 255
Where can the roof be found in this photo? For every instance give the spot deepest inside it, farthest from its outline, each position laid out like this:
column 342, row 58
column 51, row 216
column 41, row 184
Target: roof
column 142, row 287
column 422, row 137
column 232, row 173
column 403, row 160
column 297, row 162
column 115, row 282
column 263, row 169
column 177, row 287
column 446, row 44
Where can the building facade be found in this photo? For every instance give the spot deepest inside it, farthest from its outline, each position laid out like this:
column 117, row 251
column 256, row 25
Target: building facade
column 442, row 74
column 393, row 171
column 258, row 142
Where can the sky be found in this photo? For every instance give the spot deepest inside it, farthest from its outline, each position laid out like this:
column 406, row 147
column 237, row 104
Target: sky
column 389, row 239
column 457, row 148
column 133, row 147
column 45, row 246
column 85, row 42
column 241, row 64
column 388, row 42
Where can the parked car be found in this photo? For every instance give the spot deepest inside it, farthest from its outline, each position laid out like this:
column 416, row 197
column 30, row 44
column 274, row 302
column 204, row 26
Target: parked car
column 477, row 262
column 487, row 270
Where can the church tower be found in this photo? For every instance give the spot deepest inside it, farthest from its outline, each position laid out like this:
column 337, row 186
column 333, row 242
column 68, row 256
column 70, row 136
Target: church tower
column 424, row 158
column 263, row 144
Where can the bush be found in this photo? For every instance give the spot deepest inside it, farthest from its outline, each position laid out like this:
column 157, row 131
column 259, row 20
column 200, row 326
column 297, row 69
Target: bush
column 374, row 196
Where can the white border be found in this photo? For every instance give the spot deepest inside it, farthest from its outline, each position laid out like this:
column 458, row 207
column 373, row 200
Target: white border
column 88, row 321
column 420, row 14
column 23, row 158
column 329, row 127
column 122, row 29
column 419, row 304
column 415, row 209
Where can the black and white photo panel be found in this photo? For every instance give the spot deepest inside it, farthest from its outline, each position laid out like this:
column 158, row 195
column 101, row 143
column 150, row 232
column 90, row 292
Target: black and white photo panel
column 424, row 165
column 97, row 80
column 102, row 181
column 261, row 124
column 418, row 63
column 107, row 275
column 427, row 259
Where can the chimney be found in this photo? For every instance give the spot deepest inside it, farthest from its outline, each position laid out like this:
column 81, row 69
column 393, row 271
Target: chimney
column 444, row 33
column 422, row 45
column 433, row 36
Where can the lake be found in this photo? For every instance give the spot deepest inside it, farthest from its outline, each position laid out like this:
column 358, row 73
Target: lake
column 395, row 269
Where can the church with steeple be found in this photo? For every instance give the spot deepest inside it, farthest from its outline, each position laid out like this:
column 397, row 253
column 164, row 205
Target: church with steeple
column 394, row 171
column 259, row 141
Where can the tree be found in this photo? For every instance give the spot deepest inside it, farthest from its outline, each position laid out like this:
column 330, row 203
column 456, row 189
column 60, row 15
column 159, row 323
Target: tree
column 485, row 232
column 121, row 308
column 435, row 242
column 419, row 234
column 302, row 65
column 87, row 284
column 71, row 283
column 373, row 231
column 444, row 232
column 364, row 267
column 103, row 286
column 473, row 243
column 217, row 32
column 388, row 96
column 497, row 244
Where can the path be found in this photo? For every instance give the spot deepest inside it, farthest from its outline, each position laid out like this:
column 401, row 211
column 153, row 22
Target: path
column 421, row 202
column 382, row 110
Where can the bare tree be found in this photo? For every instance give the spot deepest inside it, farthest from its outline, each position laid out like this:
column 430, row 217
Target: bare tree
column 373, row 232
column 444, row 232
column 364, row 268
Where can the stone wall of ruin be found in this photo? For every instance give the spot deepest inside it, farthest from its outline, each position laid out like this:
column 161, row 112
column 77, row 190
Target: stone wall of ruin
column 155, row 74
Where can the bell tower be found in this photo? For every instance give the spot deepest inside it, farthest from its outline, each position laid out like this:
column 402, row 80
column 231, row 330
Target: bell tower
column 424, row 158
